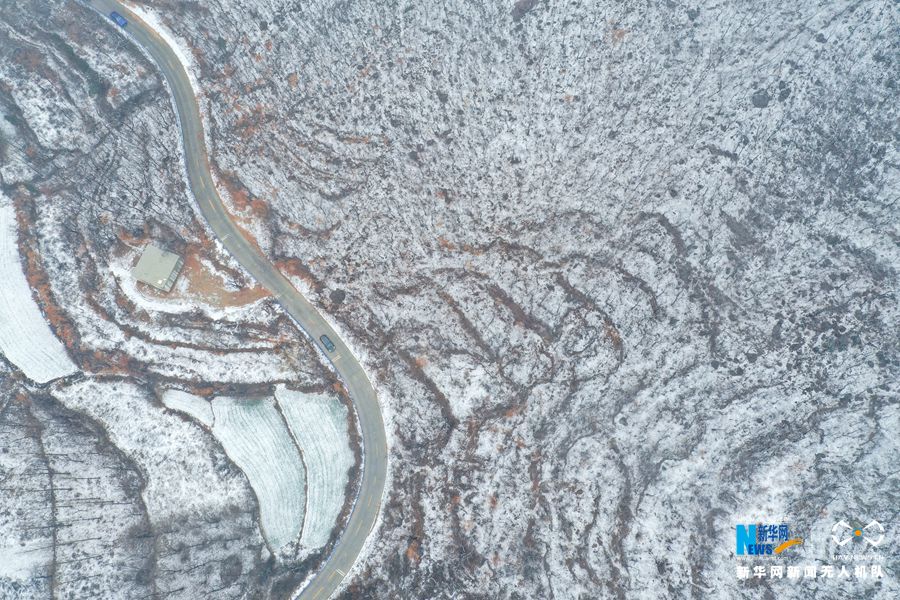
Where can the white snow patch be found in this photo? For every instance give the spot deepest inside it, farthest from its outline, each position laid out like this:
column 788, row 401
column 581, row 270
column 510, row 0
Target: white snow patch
column 319, row 425
column 255, row 437
column 25, row 337
column 23, row 560
column 191, row 405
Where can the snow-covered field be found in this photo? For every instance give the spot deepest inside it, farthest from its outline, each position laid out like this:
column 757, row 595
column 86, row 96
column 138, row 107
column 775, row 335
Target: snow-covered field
column 183, row 488
column 298, row 492
column 177, row 456
column 256, row 439
column 25, row 338
column 319, row 424
column 189, row 404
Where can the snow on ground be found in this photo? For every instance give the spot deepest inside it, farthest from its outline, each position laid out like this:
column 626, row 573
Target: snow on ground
column 256, row 439
column 319, row 424
column 183, row 302
column 21, row 560
column 299, row 492
column 195, row 356
column 49, row 111
column 14, row 167
column 199, row 508
column 189, row 404
column 24, row 570
column 25, row 338
column 179, row 461
column 24, row 549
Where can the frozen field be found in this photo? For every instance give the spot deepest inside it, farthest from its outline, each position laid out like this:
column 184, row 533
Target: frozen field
column 256, row 439
column 25, row 338
column 319, row 424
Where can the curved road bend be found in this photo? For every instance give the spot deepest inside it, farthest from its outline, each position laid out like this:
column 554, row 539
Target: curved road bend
column 368, row 503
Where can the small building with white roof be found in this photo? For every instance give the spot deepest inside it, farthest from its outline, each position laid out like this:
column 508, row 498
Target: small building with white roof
column 158, row 268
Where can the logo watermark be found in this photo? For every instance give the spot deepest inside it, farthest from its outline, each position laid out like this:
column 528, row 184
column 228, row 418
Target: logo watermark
column 843, row 533
column 761, row 539
column 854, row 551
column 810, row 572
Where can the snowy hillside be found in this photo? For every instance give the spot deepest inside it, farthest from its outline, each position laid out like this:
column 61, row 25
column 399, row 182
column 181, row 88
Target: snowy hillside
column 110, row 488
column 606, row 258
column 624, row 274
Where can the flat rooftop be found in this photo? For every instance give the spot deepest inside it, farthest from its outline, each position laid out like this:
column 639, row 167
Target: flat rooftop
column 158, row 268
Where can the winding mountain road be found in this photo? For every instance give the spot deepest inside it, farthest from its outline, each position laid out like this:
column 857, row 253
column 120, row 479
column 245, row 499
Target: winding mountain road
column 374, row 472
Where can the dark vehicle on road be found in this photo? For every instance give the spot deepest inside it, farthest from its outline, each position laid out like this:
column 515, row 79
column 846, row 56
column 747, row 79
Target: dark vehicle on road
column 326, row 341
column 119, row 19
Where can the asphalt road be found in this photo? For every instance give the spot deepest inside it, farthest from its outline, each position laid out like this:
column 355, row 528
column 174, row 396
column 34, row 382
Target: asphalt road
column 374, row 472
